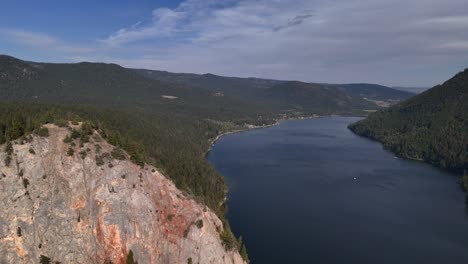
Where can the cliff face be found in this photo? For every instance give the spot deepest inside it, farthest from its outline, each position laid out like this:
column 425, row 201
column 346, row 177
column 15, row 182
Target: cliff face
column 64, row 206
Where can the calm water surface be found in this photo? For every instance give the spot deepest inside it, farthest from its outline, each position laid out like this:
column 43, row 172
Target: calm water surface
column 310, row 191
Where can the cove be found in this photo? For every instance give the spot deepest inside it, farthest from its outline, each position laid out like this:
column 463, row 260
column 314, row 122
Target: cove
column 310, row 191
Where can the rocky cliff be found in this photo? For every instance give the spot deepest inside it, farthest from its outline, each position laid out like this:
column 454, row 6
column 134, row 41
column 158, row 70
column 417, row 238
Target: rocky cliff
column 76, row 203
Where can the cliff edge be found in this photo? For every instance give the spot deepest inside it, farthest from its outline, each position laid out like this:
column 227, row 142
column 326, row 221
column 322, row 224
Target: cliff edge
column 79, row 202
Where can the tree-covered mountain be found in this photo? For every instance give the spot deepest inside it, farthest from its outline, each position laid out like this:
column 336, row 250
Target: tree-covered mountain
column 432, row 126
column 313, row 98
column 232, row 86
column 167, row 119
column 167, row 122
column 289, row 95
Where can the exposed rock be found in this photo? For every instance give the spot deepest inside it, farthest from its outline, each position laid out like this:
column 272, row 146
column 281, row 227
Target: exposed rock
column 71, row 210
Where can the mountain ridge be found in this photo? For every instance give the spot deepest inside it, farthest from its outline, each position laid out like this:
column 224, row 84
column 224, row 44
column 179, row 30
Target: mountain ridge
column 256, row 90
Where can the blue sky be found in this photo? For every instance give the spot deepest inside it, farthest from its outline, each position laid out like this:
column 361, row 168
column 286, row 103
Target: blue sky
column 391, row 42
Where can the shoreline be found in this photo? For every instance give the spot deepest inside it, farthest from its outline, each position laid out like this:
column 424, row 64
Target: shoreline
column 249, row 127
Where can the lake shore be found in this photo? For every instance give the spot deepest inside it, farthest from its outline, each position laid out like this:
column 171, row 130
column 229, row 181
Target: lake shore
column 249, row 127
column 343, row 182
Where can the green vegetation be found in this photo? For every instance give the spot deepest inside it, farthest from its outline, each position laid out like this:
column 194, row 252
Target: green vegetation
column 289, row 97
column 432, row 126
column 9, row 151
column 129, row 111
column 70, row 152
column 99, row 160
column 244, row 255
column 199, row 223
column 118, row 154
column 67, row 139
column 83, row 154
column 130, row 259
column 42, row 132
column 44, row 260
column 243, row 251
column 189, row 261
column 228, row 239
column 25, row 183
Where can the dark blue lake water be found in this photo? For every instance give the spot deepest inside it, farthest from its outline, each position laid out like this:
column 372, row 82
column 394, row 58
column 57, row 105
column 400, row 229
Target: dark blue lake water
column 311, row 191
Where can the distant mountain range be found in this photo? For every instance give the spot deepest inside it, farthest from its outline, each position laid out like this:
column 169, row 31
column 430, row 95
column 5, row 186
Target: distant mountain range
column 168, row 119
column 289, row 95
column 415, row 90
column 111, row 84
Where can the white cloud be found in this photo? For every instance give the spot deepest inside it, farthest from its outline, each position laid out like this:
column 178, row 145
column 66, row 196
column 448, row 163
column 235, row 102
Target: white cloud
column 314, row 40
column 394, row 42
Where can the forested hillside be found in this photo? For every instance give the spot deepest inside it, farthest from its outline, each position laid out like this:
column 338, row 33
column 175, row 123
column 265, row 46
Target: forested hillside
column 432, row 126
column 165, row 123
column 290, row 96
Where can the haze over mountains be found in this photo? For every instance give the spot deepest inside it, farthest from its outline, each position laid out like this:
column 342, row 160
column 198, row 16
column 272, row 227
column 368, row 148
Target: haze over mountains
column 415, row 90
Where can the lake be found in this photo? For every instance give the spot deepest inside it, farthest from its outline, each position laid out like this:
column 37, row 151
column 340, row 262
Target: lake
column 310, row 191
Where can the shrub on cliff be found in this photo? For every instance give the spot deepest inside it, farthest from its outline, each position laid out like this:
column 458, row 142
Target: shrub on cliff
column 67, row 139
column 9, row 148
column 42, row 132
column 70, row 152
column 130, row 259
column 61, row 122
column 118, row 153
column 243, row 250
column 99, row 160
column 200, row 223
column 83, row 154
column 44, row 260
column 228, row 239
column 244, row 255
column 7, row 161
column 75, row 134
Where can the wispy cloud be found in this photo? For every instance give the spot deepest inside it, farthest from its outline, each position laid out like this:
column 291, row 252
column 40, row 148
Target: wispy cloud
column 41, row 41
column 316, row 40
column 402, row 42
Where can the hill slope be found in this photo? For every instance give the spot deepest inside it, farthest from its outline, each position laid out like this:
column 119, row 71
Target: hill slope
column 268, row 92
column 166, row 120
column 432, row 126
column 313, row 98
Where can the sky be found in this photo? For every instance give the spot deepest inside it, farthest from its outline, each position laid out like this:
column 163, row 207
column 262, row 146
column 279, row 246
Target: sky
column 391, row 42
